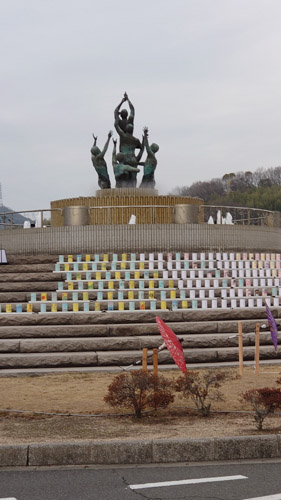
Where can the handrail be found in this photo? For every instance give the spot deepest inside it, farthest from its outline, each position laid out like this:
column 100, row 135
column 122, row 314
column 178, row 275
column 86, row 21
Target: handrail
column 245, row 215
column 40, row 210
column 133, row 206
column 30, row 211
column 260, row 213
column 240, row 208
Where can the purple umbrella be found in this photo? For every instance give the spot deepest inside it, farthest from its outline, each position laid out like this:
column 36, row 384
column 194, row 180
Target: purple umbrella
column 273, row 327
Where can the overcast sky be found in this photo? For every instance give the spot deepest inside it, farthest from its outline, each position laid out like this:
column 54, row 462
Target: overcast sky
column 203, row 75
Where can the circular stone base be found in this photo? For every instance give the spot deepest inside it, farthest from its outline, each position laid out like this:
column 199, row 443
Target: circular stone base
column 126, row 192
column 116, row 206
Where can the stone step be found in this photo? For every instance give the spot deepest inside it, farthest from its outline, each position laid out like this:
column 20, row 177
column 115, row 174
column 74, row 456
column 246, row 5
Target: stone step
column 47, row 258
column 14, row 259
column 112, row 339
column 78, row 345
column 125, row 358
column 225, row 354
column 94, row 306
column 36, row 307
column 208, row 341
column 54, row 331
column 12, row 297
column 19, row 372
column 211, row 355
column 38, row 286
column 27, row 268
column 125, row 330
column 25, row 296
column 48, row 360
column 30, row 277
column 31, row 260
column 93, row 293
column 79, row 304
column 123, row 317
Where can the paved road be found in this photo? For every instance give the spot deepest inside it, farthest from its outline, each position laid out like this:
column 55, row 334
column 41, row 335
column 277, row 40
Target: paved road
column 244, row 481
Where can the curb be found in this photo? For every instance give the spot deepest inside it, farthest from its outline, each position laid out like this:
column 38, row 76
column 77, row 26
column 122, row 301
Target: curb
column 141, row 451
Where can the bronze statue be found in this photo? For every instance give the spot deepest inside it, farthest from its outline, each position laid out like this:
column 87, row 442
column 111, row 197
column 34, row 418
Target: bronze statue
column 99, row 162
column 125, row 128
column 124, row 120
column 122, row 171
column 125, row 163
column 150, row 163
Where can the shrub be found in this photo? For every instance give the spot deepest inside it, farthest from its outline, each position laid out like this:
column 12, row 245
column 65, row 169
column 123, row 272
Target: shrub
column 139, row 390
column 201, row 388
column 278, row 381
column 263, row 401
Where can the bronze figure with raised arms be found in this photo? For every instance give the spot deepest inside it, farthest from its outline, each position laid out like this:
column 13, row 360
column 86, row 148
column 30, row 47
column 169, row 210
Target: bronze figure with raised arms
column 125, row 162
column 150, row 163
column 100, row 163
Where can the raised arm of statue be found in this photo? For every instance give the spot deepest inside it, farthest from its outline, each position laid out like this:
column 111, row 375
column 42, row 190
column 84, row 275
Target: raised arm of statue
column 152, row 148
column 150, row 162
column 110, row 133
column 116, row 111
column 95, row 139
column 140, row 151
column 99, row 163
column 118, row 128
column 145, row 140
column 114, row 160
column 132, row 110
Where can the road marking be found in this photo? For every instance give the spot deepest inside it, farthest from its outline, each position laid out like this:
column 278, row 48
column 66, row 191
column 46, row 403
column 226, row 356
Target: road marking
column 186, row 481
column 269, row 497
column 10, row 498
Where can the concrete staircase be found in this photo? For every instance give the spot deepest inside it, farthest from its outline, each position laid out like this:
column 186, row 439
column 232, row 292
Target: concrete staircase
column 53, row 341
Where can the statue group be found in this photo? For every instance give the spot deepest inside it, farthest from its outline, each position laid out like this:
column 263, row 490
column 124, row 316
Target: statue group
column 126, row 162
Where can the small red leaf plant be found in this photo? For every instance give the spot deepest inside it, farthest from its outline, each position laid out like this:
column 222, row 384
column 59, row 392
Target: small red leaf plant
column 202, row 388
column 139, row 390
column 264, row 402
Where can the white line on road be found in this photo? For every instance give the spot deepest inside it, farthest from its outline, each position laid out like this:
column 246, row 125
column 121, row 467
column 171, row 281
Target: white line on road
column 185, row 481
column 270, row 497
column 10, row 498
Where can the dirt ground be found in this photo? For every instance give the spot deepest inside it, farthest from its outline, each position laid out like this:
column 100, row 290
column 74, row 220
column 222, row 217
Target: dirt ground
column 83, row 394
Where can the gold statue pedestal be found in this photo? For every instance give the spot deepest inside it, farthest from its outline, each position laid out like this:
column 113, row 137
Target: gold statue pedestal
column 116, row 206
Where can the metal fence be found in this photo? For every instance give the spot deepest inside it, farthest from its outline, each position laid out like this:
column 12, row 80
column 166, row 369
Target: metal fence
column 244, row 216
column 140, row 238
column 7, row 218
column 157, row 214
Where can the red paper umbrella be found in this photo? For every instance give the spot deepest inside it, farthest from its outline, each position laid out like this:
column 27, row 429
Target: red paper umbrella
column 172, row 343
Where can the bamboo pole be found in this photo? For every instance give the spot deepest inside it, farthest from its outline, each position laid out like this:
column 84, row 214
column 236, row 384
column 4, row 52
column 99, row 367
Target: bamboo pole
column 144, row 359
column 155, row 361
column 240, row 344
column 257, row 348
